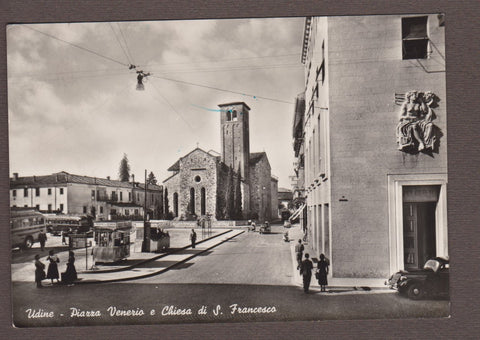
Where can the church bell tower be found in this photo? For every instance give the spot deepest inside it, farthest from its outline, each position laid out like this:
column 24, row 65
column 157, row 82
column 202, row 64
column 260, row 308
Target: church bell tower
column 235, row 137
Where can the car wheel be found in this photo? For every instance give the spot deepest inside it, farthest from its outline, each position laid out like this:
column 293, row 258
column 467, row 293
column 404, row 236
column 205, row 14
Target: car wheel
column 415, row 291
column 28, row 242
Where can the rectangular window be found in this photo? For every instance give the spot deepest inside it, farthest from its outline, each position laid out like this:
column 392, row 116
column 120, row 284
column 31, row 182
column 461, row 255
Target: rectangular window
column 101, row 210
column 61, row 191
column 84, row 209
column 25, row 206
column 49, row 208
column 129, row 196
column 37, row 207
column 49, row 191
column 93, row 194
column 127, row 212
column 61, row 207
column 138, row 197
column 14, row 193
column 136, row 212
column 414, row 37
column 121, row 196
column 25, row 192
column 37, row 192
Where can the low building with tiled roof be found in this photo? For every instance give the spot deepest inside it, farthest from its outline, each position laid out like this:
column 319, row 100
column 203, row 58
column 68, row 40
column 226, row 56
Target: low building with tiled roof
column 101, row 198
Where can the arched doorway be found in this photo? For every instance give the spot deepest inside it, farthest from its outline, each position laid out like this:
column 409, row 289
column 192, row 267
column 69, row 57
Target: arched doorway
column 192, row 201
column 203, row 203
column 175, row 204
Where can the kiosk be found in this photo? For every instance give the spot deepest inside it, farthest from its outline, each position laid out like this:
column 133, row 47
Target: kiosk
column 112, row 241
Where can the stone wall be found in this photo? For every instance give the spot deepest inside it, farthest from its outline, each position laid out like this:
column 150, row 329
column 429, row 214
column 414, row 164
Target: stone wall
column 260, row 190
column 198, row 170
column 366, row 71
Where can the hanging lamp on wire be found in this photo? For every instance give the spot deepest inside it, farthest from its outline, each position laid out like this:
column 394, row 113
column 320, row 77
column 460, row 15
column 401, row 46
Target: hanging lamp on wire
column 141, row 77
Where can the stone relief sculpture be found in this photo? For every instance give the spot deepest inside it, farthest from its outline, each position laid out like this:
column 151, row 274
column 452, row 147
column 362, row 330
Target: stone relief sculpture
column 415, row 130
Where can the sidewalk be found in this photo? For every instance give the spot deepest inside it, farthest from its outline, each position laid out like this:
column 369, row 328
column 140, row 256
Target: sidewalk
column 295, row 233
column 138, row 265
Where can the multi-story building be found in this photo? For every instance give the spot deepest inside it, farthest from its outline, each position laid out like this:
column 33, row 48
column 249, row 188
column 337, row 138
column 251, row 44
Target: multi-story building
column 372, row 139
column 102, row 198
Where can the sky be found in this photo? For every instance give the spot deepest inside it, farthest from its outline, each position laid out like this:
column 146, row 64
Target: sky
column 73, row 104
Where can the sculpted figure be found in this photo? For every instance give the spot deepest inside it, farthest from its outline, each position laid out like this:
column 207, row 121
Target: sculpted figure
column 415, row 127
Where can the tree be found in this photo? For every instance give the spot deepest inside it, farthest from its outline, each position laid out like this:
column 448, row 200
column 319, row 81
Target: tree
column 151, row 178
column 237, row 205
column 166, row 210
column 124, row 170
column 230, row 195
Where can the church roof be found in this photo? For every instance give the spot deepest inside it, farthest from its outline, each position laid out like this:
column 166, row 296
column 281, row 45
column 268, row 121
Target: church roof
column 255, row 157
column 234, row 103
column 176, row 165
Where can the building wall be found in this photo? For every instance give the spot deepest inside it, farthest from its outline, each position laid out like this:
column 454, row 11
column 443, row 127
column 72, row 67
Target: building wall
column 274, row 195
column 316, row 174
column 366, row 70
column 260, row 190
column 197, row 163
column 172, row 186
column 55, row 199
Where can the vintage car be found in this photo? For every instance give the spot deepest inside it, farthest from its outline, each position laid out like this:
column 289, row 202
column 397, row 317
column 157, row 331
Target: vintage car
column 430, row 281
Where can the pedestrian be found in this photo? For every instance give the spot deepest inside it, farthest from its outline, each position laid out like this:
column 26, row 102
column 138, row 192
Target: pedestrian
column 306, row 272
column 70, row 274
column 322, row 272
column 52, row 271
column 39, row 271
column 193, row 238
column 299, row 248
column 42, row 238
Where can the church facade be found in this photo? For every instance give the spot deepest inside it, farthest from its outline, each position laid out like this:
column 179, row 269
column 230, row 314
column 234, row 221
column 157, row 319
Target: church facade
column 232, row 185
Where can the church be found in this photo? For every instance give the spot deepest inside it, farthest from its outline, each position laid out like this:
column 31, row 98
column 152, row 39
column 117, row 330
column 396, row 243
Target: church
column 232, row 185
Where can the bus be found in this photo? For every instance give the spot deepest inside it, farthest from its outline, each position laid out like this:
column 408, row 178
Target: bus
column 25, row 226
column 68, row 223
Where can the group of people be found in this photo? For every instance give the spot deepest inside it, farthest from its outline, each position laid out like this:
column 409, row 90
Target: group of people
column 306, row 267
column 68, row 277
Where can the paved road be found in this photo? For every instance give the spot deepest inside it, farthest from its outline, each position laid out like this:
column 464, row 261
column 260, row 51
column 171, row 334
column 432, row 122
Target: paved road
column 249, row 271
column 250, row 258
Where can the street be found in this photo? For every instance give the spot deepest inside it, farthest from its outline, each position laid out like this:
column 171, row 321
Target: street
column 248, row 278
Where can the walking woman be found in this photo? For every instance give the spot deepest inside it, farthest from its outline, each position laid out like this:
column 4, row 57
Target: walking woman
column 52, row 272
column 70, row 274
column 322, row 272
column 39, row 271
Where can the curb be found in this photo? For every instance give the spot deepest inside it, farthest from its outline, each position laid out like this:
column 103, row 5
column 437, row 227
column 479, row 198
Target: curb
column 164, row 269
column 106, row 271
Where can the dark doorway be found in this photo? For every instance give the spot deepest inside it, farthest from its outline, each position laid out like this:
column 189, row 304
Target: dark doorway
column 192, row 201
column 419, row 238
column 175, row 204
column 203, row 199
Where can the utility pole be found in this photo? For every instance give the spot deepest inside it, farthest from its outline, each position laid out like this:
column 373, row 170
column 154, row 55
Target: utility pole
column 146, row 224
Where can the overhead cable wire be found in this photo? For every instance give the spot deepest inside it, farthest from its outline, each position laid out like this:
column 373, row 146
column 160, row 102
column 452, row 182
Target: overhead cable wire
column 121, row 46
column 230, row 59
column 172, row 107
column 125, row 42
column 75, row 45
column 223, row 90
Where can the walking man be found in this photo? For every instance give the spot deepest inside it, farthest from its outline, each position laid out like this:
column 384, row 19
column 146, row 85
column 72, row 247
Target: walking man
column 306, row 272
column 193, row 238
column 299, row 248
column 42, row 238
